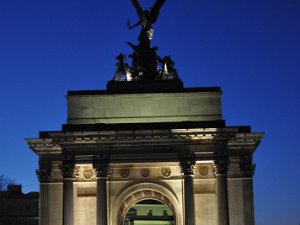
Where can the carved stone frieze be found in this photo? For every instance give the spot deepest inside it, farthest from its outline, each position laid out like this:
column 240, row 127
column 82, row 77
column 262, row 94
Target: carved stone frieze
column 246, row 166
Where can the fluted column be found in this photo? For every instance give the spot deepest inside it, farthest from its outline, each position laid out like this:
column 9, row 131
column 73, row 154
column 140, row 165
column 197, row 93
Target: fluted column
column 44, row 174
column 187, row 169
column 221, row 166
column 101, row 168
column 68, row 171
column 247, row 170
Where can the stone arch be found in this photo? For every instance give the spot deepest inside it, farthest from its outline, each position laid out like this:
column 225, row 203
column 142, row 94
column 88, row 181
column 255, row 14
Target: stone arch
column 142, row 191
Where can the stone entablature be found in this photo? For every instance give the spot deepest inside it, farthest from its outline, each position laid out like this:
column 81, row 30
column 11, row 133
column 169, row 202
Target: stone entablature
column 230, row 138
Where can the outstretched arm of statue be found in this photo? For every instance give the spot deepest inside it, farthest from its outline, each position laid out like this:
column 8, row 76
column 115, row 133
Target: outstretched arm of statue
column 132, row 26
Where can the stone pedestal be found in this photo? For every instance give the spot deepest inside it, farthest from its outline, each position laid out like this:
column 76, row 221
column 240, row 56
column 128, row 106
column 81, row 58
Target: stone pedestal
column 222, row 194
column 144, row 87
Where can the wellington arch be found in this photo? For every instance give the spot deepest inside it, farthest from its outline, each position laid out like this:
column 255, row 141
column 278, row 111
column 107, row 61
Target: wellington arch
column 146, row 149
column 111, row 155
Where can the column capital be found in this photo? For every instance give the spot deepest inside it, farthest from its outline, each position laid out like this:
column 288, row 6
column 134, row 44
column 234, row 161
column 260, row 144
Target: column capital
column 101, row 166
column 44, row 171
column 68, row 168
column 221, row 166
column 187, row 164
column 246, row 166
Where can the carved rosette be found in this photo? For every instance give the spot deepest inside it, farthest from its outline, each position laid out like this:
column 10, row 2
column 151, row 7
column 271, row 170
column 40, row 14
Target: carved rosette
column 203, row 170
column 166, row 171
column 145, row 172
column 101, row 167
column 247, row 167
column 187, row 166
column 221, row 166
column 124, row 173
column 88, row 174
column 44, row 171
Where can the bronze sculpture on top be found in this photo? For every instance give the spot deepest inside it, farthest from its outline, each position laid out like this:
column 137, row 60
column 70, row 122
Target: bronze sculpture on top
column 146, row 19
column 145, row 64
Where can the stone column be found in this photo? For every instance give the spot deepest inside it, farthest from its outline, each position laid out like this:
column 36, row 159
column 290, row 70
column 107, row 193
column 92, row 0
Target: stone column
column 221, row 166
column 101, row 168
column 187, row 169
column 44, row 175
column 247, row 170
column 68, row 171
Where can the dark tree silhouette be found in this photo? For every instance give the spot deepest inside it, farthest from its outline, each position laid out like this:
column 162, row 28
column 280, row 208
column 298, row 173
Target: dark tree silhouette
column 5, row 181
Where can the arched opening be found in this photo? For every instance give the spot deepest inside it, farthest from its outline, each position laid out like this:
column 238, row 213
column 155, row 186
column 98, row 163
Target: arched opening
column 140, row 192
column 149, row 212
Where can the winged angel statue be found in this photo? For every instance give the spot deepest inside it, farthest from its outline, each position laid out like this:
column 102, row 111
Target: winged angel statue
column 145, row 65
column 146, row 19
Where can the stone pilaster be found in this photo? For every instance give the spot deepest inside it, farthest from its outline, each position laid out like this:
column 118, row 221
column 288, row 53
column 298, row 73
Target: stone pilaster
column 221, row 166
column 101, row 167
column 44, row 175
column 247, row 170
column 187, row 169
column 68, row 171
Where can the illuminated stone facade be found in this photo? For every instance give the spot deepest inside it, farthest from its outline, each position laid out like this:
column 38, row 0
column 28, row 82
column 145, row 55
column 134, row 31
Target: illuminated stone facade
column 122, row 147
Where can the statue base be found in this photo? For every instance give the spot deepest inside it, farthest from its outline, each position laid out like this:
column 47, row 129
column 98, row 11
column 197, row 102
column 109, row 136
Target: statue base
column 154, row 86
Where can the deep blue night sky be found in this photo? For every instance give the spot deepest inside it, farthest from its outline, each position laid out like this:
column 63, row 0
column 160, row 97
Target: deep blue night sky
column 250, row 48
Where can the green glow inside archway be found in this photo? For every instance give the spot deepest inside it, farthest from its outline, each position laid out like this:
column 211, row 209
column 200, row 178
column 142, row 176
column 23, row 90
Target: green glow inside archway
column 149, row 212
